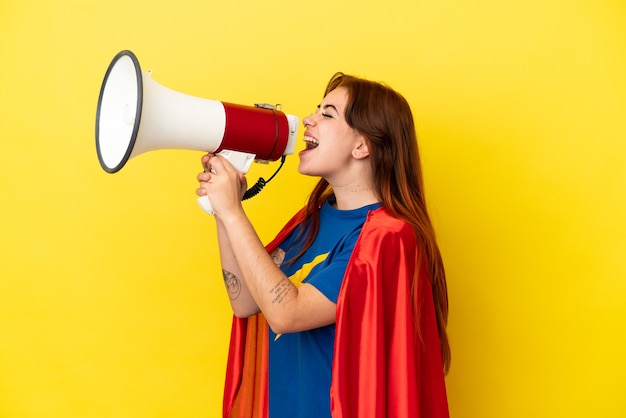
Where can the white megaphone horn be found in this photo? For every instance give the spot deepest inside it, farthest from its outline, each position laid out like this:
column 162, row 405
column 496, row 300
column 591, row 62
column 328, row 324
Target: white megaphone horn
column 136, row 114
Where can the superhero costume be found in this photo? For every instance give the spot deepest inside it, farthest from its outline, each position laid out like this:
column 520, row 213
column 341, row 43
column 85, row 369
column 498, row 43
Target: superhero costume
column 385, row 364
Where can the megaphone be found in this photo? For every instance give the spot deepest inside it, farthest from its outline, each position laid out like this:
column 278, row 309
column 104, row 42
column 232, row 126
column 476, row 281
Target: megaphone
column 136, row 115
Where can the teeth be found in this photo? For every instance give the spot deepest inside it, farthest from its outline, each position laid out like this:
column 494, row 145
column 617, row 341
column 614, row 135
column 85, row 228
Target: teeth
column 312, row 142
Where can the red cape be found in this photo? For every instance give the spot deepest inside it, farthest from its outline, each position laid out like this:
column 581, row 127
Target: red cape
column 385, row 364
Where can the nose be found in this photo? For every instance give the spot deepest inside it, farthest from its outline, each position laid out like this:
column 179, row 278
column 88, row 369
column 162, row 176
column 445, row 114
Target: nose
column 308, row 121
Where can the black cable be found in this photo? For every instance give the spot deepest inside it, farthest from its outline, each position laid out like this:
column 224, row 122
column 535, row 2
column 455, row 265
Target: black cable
column 261, row 182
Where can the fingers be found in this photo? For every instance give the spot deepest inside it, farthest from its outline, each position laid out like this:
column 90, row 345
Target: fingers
column 217, row 167
column 205, row 161
column 204, row 176
column 212, row 161
column 220, row 164
column 203, row 179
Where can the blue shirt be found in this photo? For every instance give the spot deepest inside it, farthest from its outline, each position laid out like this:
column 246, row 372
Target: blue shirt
column 300, row 363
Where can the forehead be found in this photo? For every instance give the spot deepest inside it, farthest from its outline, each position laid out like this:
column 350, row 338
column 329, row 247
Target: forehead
column 338, row 98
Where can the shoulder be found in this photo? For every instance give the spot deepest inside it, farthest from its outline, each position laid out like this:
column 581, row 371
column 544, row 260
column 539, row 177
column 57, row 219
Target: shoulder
column 386, row 248
column 385, row 237
column 382, row 225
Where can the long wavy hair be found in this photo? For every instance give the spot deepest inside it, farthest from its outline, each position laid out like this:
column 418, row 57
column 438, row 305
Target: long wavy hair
column 384, row 117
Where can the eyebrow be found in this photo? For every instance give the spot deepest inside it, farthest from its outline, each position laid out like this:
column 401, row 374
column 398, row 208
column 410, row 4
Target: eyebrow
column 327, row 106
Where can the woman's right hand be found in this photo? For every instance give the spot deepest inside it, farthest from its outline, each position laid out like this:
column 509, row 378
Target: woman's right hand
column 221, row 183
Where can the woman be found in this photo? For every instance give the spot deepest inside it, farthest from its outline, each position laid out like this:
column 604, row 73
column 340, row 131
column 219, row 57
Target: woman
column 352, row 292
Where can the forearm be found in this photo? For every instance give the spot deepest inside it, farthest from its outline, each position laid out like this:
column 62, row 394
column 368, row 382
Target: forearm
column 267, row 285
column 241, row 301
column 245, row 261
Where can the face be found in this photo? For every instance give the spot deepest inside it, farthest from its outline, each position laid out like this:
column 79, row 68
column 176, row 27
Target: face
column 330, row 143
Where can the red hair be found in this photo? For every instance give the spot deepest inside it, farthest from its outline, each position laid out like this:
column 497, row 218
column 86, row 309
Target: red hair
column 384, row 117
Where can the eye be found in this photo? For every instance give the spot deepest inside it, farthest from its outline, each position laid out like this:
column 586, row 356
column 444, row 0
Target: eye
column 326, row 115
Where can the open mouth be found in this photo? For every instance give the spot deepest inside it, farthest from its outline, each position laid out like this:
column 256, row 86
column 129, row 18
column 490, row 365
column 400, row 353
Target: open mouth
column 310, row 142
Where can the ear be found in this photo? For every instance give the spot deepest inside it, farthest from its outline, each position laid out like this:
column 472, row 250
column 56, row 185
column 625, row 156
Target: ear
column 361, row 151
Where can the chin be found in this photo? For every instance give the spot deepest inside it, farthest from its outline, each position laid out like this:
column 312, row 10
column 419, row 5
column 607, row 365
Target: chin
column 304, row 171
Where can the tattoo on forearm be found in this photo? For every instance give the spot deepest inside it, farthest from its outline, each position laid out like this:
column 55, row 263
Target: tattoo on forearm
column 281, row 290
column 233, row 284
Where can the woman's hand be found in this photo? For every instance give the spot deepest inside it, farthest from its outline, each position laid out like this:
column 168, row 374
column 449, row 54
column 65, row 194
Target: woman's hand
column 222, row 183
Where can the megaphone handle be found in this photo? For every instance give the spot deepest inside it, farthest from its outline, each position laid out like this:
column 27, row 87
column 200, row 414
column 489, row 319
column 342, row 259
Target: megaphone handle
column 205, row 204
column 241, row 161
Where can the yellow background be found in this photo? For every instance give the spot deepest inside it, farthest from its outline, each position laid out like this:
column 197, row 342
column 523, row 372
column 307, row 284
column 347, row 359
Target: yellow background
column 111, row 299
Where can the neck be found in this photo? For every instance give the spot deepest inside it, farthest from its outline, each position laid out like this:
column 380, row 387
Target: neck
column 354, row 196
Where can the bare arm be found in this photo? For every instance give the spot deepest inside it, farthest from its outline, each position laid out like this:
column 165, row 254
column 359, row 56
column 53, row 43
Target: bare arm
column 241, row 301
column 286, row 307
